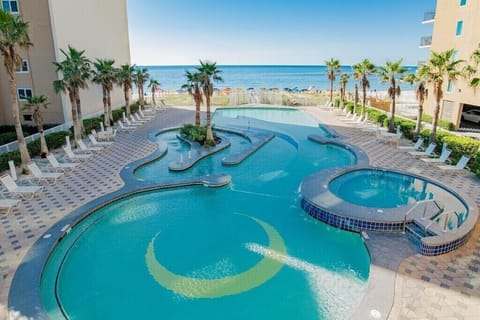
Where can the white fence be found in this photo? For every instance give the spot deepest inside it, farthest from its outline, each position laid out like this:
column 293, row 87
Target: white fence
column 14, row 144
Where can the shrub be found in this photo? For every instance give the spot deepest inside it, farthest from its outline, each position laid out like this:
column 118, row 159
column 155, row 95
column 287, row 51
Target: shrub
column 54, row 141
column 441, row 123
column 7, row 137
column 336, row 102
column 92, row 123
column 349, row 106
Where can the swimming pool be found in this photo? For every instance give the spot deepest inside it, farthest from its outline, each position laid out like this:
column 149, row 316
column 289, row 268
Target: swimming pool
column 244, row 250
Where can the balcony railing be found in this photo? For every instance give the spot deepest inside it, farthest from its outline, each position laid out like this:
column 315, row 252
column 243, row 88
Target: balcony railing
column 426, row 42
column 428, row 17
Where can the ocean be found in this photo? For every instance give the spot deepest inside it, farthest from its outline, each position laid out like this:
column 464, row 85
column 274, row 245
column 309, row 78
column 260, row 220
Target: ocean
column 243, row 76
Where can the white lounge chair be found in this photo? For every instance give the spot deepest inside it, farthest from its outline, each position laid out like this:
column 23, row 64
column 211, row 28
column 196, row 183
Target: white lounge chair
column 96, row 143
column 6, row 203
column 134, row 120
column 443, row 157
column 461, row 164
column 124, row 127
column 83, row 147
column 415, row 147
column 76, row 156
column 425, row 153
column 22, row 191
column 137, row 117
column 49, row 177
column 64, row 166
column 144, row 116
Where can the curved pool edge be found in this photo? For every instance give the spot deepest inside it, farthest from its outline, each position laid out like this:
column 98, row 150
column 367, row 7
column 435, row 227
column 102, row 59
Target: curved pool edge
column 25, row 292
column 323, row 205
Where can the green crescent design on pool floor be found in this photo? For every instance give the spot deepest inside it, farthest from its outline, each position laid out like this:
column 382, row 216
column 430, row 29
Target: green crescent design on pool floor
column 190, row 287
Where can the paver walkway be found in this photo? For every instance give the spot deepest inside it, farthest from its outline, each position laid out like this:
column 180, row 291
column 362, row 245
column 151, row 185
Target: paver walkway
column 93, row 178
column 442, row 287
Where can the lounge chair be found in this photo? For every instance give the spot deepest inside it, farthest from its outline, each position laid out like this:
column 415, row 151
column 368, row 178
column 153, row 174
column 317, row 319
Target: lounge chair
column 425, row 153
column 443, row 157
column 22, row 191
column 415, row 147
column 76, row 156
column 461, row 164
column 137, row 117
column 6, row 203
column 64, row 166
column 50, row 177
column 83, row 147
column 97, row 143
column 143, row 116
column 124, row 127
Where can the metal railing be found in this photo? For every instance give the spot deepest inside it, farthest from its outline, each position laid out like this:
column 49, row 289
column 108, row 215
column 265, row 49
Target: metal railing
column 425, row 204
column 425, row 41
column 14, row 144
column 428, row 16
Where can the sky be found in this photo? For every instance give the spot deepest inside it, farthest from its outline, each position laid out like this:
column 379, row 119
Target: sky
column 277, row 32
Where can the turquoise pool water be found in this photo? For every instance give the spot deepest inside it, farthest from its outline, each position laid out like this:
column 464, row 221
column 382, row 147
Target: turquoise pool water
column 242, row 251
column 385, row 189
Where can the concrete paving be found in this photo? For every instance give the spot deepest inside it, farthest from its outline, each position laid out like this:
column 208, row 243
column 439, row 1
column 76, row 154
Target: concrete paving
column 403, row 284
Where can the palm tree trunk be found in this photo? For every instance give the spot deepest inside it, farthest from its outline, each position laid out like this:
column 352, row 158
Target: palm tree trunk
column 364, row 101
column 106, row 121
column 22, row 146
column 418, row 125
column 43, row 143
column 109, row 107
column 436, row 112
column 197, row 113
column 153, row 97
column 392, row 112
column 78, row 120
column 331, row 90
column 209, row 125
column 126, row 94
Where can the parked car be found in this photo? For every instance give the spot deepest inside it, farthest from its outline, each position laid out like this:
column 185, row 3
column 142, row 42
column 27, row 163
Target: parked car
column 472, row 115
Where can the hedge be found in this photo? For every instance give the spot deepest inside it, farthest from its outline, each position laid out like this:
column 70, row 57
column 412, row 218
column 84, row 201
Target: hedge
column 441, row 123
column 460, row 146
column 54, row 141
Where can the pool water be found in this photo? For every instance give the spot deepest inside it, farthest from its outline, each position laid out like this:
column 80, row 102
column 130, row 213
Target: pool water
column 386, row 189
column 246, row 250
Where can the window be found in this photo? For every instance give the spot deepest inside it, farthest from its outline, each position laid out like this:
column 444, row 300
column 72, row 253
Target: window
column 24, row 93
column 459, row 28
column 450, row 86
column 463, row 3
column 23, row 68
column 10, row 6
column 28, row 117
column 455, row 56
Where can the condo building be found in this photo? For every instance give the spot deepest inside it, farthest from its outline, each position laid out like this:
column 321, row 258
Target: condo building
column 98, row 27
column 456, row 25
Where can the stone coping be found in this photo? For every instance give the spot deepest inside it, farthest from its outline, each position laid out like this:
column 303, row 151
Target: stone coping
column 25, row 292
column 196, row 153
column 360, row 155
column 314, row 189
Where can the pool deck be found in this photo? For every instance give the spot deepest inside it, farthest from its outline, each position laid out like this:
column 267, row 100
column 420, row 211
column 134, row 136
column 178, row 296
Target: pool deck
column 402, row 285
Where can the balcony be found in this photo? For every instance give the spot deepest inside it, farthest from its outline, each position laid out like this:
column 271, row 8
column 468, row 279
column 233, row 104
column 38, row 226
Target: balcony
column 428, row 17
column 425, row 42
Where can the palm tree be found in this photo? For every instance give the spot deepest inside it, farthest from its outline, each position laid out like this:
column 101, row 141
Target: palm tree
column 344, row 77
column 333, row 67
column 125, row 80
column 140, row 77
column 105, row 75
column 14, row 36
column 421, row 93
column 193, row 86
column 392, row 72
column 153, row 85
column 439, row 68
column 361, row 71
column 209, row 73
column 475, row 57
column 75, row 70
column 36, row 102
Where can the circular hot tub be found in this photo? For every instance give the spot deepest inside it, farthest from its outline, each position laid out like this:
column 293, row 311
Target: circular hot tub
column 434, row 217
